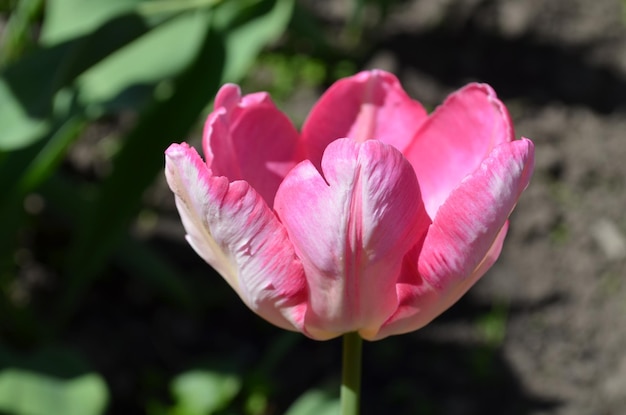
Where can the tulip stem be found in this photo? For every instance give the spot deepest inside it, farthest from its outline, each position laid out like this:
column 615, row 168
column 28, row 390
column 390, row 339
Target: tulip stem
column 351, row 376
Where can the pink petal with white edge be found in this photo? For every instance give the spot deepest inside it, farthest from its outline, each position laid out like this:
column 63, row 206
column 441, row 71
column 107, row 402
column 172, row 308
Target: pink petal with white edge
column 457, row 137
column 469, row 221
column 248, row 138
column 464, row 240
column 231, row 227
column 420, row 303
column 368, row 105
column 351, row 229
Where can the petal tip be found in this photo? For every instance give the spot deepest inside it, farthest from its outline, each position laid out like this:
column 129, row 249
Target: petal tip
column 228, row 96
column 176, row 150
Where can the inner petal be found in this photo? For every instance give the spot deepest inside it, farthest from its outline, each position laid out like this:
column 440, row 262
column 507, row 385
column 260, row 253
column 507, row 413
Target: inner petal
column 248, row 138
column 368, row 105
column 456, row 138
column 351, row 228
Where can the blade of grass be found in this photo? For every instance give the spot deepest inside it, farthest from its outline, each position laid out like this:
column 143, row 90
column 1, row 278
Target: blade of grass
column 16, row 32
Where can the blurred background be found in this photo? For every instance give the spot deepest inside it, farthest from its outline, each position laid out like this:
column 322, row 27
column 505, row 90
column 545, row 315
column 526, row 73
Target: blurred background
column 104, row 308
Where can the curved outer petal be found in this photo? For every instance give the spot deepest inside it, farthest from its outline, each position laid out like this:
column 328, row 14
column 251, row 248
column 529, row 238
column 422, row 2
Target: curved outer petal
column 464, row 240
column 456, row 138
column 250, row 139
column 230, row 226
column 368, row 105
column 351, row 229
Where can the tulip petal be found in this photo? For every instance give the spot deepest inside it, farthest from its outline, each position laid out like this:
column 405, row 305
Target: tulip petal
column 464, row 240
column 469, row 221
column 351, row 229
column 456, row 138
column 420, row 303
column 248, row 138
column 369, row 105
column 231, row 227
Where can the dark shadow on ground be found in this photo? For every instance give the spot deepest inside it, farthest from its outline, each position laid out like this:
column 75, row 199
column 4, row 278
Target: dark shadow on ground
column 419, row 373
column 139, row 343
column 524, row 67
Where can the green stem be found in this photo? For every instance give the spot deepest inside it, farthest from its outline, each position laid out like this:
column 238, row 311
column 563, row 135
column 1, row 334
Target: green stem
column 351, row 377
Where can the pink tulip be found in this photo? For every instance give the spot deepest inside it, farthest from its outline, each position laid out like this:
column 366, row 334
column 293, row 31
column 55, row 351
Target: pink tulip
column 375, row 218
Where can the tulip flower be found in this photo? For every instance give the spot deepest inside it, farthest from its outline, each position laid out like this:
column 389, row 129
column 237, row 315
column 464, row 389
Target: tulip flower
column 375, row 218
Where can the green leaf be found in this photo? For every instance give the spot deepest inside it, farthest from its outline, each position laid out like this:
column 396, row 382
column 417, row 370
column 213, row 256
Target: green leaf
column 67, row 19
column 53, row 381
column 315, row 402
column 66, row 61
column 18, row 128
column 244, row 40
column 18, row 36
column 27, row 97
column 138, row 162
column 51, row 155
column 161, row 7
column 160, row 54
column 141, row 157
column 203, row 392
column 23, row 170
column 28, row 393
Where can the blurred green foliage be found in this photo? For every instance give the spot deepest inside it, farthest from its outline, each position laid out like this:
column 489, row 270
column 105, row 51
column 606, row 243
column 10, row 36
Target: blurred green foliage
column 146, row 70
column 50, row 381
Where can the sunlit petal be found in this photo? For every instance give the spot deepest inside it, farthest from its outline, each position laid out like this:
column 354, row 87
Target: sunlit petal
column 351, row 228
column 369, row 105
column 230, row 227
column 248, row 138
column 457, row 137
